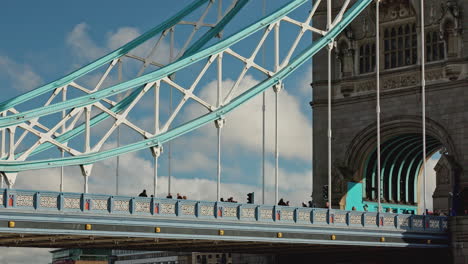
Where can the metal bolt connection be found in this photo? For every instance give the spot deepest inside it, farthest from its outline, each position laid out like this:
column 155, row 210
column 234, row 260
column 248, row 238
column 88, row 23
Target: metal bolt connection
column 333, row 237
column 221, row 232
column 11, row 224
column 157, row 230
column 279, row 235
column 382, row 239
column 88, row 227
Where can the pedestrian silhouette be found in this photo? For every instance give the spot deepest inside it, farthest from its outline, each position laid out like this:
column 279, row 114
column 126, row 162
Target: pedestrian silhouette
column 143, row 194
column 281, row 202
column 169, row 196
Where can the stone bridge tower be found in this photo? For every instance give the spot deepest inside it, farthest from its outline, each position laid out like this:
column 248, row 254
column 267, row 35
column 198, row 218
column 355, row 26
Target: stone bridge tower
column 354, row 107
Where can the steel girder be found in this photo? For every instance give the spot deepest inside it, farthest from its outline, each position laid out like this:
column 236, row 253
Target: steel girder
column 141, row 85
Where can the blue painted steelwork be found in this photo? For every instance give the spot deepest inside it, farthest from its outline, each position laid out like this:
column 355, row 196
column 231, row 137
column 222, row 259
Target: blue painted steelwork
column 194, row 124
column 158, row 74
column 122, row 105
column 101, row 206
column 105, row 59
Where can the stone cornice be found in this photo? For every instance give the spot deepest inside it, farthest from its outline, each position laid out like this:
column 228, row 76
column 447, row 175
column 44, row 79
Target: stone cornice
column 370, row 96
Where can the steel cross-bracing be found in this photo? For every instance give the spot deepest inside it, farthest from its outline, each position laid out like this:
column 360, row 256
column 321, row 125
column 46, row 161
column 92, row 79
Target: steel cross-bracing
column 74, row 115
column 144, row 51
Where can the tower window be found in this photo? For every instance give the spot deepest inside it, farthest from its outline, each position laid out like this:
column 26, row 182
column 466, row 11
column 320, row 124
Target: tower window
column 367, row 58
column 400, row 46
column 435, row 47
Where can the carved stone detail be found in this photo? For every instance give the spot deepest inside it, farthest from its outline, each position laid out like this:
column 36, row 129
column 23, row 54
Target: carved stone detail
column 100, row 205
column 434, row 75
column 121, row 205
column 365, row 86
column 395, row 10
column 340, row 218
column 25, row 200
column 399, row 81
column 188, row 209
column 206, row 210
column 71, row 203
column 142, row 207
column 168, row 208
column 434, row 223
column 418, row 222
column 303, row 216
column 370, row 221
column 443, row 168
column 320, row 217
column 49, row 202
column 444, row 224
column 265, row 214
column 248, row 212
column 389, row 221
column 230, row 211
column 404, row 221
column 355, row 219
column 287, row 215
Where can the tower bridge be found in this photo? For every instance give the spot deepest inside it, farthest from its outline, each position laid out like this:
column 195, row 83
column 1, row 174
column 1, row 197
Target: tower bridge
column 52, row 219
column 392, row 95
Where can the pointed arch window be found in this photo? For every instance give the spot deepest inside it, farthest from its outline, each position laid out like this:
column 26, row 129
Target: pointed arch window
column 400, row 46
column 367, row 58
column 435, row 47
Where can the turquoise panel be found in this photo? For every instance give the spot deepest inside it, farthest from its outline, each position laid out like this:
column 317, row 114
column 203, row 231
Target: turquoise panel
column 354, row 196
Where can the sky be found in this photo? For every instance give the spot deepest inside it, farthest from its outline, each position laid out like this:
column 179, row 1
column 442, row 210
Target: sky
column 44, row 40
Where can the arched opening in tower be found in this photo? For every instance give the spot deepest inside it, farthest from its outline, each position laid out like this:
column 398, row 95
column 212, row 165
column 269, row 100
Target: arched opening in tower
column 401, row 181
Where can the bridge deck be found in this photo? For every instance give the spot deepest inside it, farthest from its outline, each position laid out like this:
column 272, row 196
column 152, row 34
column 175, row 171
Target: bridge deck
column 50, row 219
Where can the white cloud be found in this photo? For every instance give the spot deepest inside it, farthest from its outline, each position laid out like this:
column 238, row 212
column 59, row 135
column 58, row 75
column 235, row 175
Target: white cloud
column 305, row 81
column 121, row 37
column 21, row 76
column 86, row 49
column 82, row 45
column 244, row 125
column 195, row 161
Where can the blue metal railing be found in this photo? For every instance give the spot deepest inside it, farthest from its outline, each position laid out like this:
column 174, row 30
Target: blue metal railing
column 97, row 204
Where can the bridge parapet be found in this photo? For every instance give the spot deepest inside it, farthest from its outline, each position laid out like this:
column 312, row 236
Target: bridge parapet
column 55, row 202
